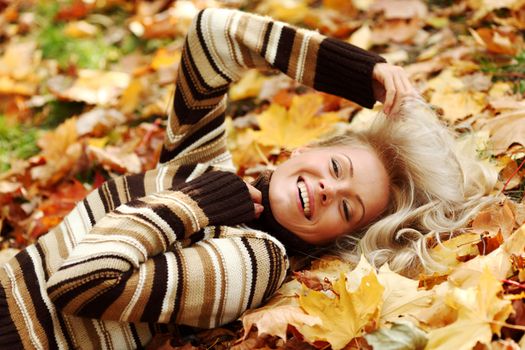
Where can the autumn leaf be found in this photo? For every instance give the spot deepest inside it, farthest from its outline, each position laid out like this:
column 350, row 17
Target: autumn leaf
column 481, row 313
column 497, row 262
column 450, row 93
column 274, row 320
column 506, row 129
column 345, row 314
column 249, row 86
column 301, row 124
column 400, row 336
column 96, row 87
column 401, row 295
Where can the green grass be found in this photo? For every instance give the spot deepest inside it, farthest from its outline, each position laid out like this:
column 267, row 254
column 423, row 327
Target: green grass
column 16, row 141
column 506, row 69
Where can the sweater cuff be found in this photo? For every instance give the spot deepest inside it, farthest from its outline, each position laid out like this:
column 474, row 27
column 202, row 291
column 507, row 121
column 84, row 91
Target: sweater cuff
column 223, row 196
column 346, row 70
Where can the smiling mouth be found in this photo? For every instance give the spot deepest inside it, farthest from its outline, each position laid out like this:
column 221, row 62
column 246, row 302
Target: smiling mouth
column 304, row 198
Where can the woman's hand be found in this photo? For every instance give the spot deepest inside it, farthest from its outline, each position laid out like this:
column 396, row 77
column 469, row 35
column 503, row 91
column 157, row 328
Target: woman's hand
column 256, row 198
column 390, row 84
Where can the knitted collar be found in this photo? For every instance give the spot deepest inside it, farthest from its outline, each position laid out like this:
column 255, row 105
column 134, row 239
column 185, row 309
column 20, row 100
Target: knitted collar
column 266, row 222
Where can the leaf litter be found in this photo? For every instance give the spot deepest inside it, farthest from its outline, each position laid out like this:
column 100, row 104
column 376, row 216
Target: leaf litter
column 84, row 87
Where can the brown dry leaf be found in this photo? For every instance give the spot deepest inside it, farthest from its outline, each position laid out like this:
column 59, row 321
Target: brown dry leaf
column 132, row 96
column 345, row 315
column 99, row 121
column 17, row 69
column 506, row 129
column 497, row 218
column 60, row 151
column 274, row 320
column 301, row 124
column 115, row 159
column 479, row 309
column 499, row 41
column 96, row 87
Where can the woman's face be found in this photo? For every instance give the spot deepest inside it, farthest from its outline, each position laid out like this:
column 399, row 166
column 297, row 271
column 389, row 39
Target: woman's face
column 322, row 193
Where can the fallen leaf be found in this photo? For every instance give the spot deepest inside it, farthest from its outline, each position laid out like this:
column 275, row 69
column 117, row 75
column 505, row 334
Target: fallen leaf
column 274, row 320
column 494, row 219
column 400, row 336
column 345, row 315
column 480, row 314
column 497, row 262
column 447, row 252
column 96, row 87
column 506, row 129
column 499, row 41
column 249, row 86
column 301, row 124
column 401, row 295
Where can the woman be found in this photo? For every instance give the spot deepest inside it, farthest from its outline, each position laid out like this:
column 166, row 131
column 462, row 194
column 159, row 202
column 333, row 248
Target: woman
column 167, row 246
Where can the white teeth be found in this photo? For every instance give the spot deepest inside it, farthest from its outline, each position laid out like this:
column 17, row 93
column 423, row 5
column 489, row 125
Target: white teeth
column 304, row 195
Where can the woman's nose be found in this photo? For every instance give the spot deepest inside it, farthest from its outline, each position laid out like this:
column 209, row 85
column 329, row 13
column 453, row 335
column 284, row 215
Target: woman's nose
column 326, row 192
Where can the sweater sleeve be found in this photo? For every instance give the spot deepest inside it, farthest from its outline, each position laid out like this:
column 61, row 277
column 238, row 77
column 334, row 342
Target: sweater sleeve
column 124, row 239
column 205, row 285
column 221, row 44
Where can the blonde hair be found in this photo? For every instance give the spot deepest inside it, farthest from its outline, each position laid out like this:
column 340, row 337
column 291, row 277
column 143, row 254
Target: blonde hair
column 434, row 189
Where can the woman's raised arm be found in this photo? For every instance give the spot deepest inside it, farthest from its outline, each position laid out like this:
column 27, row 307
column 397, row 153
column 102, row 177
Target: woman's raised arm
column 221, row 44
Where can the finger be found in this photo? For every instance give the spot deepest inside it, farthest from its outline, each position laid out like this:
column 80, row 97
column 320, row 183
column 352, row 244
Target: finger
column 258, row 210
column 390, row 94
column 255, row 194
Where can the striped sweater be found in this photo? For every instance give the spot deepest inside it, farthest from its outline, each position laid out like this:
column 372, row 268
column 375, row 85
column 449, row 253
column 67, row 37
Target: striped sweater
column 163, row 247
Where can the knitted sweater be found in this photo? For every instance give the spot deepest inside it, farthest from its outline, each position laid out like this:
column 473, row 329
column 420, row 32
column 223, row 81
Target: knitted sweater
column 162, row 247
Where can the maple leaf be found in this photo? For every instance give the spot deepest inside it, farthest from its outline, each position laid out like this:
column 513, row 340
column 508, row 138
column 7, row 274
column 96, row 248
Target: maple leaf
column 480, row 314
column 296, row 126
column 401, row 295
column 345, row 315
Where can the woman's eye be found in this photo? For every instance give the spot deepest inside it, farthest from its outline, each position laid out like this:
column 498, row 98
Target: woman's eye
column 335, row 166
column 346, row 211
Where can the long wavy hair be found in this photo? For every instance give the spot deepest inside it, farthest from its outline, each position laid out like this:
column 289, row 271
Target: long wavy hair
column 434, row 189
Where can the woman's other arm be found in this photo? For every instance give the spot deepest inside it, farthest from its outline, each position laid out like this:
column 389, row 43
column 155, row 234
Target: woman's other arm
column 126, row 239
column 221, row 44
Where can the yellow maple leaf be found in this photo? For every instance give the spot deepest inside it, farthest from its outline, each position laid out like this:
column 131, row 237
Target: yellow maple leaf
column 401, row 296
column 481, row 313
column 344, row 316
column 298, row 125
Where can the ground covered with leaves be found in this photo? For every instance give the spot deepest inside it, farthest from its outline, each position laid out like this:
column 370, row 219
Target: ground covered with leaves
column 84, row 87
